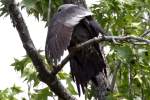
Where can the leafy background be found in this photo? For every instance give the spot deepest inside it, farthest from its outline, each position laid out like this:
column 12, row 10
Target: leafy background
column 119, row 17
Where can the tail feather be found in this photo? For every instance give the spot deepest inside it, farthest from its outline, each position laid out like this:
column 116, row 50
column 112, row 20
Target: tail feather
column 86, row 65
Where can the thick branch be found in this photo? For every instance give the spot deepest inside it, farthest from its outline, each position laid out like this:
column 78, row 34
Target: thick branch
column 50, row 79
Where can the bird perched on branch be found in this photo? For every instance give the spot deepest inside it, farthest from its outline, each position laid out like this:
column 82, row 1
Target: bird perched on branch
column 70, row 26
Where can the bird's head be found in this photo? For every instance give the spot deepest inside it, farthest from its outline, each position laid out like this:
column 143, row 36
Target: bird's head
column 64, row 7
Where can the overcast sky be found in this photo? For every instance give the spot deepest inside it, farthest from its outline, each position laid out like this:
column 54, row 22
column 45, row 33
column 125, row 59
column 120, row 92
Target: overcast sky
column 11, row 46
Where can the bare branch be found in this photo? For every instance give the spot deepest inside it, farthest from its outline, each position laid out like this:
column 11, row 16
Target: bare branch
column 114, row 76
column 129, row 39
column 146, row 33
column 50, row 79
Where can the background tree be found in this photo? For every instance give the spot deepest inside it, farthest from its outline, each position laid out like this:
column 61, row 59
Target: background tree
column 128, row 61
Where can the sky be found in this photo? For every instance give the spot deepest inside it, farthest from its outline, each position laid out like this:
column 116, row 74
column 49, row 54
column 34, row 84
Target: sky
column 11, row 47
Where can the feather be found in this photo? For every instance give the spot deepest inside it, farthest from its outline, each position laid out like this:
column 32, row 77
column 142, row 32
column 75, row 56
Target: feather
column 60, row 30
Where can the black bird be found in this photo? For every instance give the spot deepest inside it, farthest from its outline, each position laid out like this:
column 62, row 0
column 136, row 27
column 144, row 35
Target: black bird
column 70, row 26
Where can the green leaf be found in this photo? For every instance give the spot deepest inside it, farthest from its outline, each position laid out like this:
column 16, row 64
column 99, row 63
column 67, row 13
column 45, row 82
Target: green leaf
column 39, row 8
column 16, row 89
column 63, row 75
column 42, row 94
column 29, row 3
column 10, row 93
column 70, row 87
column 138, row 77
column 19, row 65
column 124, row 52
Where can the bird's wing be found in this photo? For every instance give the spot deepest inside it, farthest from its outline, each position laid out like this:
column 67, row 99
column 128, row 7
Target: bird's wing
column 60, row 31
column 97, row 27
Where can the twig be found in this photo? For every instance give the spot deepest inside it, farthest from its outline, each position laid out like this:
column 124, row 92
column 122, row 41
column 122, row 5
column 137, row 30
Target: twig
column 130, row 39
column 49, row 11
column 114, row 76
column 51, row 80
column 147, row 32
column 129, row 81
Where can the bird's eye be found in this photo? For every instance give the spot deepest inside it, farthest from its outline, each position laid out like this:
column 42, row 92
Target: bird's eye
column 59, row 10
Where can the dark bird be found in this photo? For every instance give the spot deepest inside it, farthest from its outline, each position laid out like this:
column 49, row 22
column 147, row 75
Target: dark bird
column 70, row 26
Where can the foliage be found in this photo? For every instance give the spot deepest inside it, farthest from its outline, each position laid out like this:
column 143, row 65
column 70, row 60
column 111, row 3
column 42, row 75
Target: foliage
column 29, row 74
column 3, row 8
column 128, row 17
column 10, row 93
column 119, row 17
column 39, row 8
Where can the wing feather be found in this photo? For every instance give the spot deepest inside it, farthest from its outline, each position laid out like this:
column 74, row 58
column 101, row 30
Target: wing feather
column 60, row 31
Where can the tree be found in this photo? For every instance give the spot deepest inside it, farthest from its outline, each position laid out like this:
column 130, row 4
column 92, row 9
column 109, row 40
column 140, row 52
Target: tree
column 128, row 56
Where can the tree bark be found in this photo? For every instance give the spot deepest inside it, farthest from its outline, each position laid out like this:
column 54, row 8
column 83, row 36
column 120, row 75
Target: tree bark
column 45, row 76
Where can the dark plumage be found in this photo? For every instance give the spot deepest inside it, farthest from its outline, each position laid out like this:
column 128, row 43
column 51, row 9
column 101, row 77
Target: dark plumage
column 70, row 26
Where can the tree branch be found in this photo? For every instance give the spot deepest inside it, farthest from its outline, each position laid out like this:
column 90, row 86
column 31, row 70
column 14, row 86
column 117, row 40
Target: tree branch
column 114, row 75
column 147, row 32
column 46, row 77
column 129, row 39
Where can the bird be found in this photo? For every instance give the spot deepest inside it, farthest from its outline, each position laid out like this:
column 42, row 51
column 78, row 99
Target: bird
column 72, row 25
